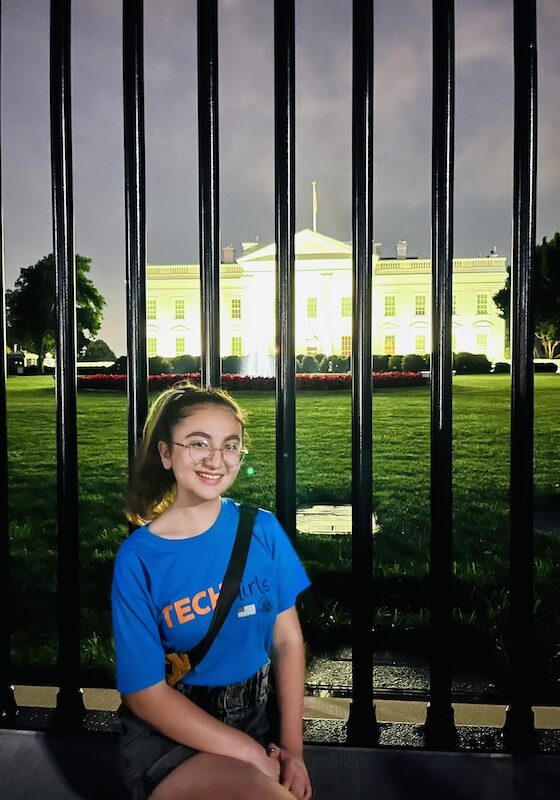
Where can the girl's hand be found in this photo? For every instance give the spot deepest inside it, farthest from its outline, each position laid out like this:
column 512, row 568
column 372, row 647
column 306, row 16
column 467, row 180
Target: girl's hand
column 270, row 766
column 293, row 772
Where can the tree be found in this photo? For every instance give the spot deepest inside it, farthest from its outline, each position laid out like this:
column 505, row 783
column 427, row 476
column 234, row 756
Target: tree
column 546, row 296
column 98, row 350
column 31, row 307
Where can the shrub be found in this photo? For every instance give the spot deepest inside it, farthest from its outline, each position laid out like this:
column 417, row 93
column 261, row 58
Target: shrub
column 471, row 364
column 481, row 364
column 309, row 364
column 232, row 364
column 319, row 357
column 308, row 381
column 185, row 363
column 545, row 366
column 339, row 364
column 501, row 367
column 413, row 362
column 380, row 363
column 90, row 370
column 120, row 366
column 331, row 364
column 395, row 363
column 157, row 365
column 461, row 361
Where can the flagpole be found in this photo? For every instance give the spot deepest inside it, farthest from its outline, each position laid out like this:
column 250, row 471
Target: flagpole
column 315, row 205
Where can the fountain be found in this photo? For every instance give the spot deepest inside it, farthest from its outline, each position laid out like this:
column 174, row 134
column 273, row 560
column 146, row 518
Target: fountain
column 259, row 362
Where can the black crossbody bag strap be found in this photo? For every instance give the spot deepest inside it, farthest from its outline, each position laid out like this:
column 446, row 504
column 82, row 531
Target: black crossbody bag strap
column 230, row 584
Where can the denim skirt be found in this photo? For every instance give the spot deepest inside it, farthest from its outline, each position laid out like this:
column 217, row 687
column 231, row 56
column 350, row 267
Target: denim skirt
column 149, row 756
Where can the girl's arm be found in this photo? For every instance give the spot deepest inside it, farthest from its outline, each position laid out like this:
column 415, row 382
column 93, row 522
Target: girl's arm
column 181, row 720
column 289, row 670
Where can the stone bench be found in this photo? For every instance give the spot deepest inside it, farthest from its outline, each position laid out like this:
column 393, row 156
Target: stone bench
column 85, row 766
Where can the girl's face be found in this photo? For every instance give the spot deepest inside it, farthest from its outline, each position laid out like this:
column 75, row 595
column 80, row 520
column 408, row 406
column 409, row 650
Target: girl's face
column 204, row 453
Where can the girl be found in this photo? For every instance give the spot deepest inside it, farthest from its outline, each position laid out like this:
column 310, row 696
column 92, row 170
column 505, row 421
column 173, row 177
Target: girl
column 205, row 738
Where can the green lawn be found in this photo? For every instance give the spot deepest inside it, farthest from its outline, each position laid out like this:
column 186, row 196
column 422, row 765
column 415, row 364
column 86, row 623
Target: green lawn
column 401, row 497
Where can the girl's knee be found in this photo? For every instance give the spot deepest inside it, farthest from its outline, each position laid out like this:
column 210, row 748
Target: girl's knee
column 271, row 791
column 206, row 775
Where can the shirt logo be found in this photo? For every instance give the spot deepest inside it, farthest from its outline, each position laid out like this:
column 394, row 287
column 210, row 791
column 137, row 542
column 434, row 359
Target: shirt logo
column 188, row 608
column 265, row 606
column 247, row 611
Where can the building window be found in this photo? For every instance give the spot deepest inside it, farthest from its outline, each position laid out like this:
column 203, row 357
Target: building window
column 454, row 304
column 310, row 351
column 420, row 345
column 482, row 304
column 151, row 309
column 481, row 342
column 236, row 308
column 180, row 348
column 345, row 306
column 390, row 305
column 152, row 346
column 236, row 346
column 179, row 309
column 390, row 345
column 311, row 306
column 346, row 346
column 420, row 305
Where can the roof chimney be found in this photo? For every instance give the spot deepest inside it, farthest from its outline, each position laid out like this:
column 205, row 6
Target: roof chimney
column 402, row 248
column 229, row 254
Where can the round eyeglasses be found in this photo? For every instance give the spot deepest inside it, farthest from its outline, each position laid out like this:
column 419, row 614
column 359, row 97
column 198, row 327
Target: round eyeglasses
column 199, row 452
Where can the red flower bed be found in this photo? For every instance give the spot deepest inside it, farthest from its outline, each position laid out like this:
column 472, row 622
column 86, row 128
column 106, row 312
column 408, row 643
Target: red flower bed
column 304, row 381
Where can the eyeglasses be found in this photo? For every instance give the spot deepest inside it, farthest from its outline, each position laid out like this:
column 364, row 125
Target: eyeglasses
column 199, row 452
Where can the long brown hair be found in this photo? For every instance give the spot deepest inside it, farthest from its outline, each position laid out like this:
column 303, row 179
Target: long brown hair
column 151, row 487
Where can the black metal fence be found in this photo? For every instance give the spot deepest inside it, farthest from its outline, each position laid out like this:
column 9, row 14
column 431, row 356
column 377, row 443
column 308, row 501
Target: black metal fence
column 363, row 728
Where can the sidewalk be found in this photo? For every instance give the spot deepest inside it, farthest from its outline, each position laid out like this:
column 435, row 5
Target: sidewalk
column 333, row 708
column 327, row 519
column 337, row 519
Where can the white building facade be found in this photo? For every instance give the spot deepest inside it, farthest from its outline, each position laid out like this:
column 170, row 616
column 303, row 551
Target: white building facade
column 323, row 291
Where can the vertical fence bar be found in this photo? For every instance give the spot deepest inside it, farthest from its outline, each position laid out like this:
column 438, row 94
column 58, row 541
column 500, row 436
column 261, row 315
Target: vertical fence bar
column 70, row 707
column 363, row 729
column 7, row 699
column 284, row 153
column 440, row 727
column 519, row 729
column 135, row 211
column 208, row 191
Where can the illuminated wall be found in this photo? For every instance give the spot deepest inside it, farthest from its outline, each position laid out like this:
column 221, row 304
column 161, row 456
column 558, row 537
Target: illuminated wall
column 401, row 303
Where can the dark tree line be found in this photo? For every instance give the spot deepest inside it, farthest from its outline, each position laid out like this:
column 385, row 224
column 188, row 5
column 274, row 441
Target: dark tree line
column 546, row 297
column 31, row 319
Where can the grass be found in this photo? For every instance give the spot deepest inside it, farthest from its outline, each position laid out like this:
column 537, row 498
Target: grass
column 401, row 497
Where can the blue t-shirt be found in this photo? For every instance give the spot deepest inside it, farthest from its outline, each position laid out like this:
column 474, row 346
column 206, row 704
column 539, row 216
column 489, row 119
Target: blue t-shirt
column 164, row 592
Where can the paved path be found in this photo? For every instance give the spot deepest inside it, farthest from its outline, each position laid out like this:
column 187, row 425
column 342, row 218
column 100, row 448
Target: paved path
column 337, row 519
column 327, row 519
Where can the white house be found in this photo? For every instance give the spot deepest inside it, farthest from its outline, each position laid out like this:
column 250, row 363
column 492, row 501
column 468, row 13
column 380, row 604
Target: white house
column 323, row 292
